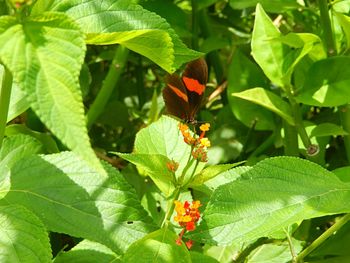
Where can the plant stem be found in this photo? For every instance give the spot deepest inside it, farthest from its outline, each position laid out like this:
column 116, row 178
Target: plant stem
column 113, row 75
column 327, row 28
column 171, row 206
column 5, row 94
column 330, row 231
column 290, row 140
column 345, row 121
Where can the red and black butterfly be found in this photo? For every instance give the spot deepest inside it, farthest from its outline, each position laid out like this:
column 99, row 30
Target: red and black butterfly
column 183, row 95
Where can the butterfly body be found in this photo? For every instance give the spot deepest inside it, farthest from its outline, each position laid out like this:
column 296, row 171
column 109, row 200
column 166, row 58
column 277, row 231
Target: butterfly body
column 183, row 95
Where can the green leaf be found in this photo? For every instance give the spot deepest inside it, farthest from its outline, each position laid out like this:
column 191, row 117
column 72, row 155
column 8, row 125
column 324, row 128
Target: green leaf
column 46, row 140
column 18, row 103
column 122, row 22
column 244, row 74
column 343, row 173
column 268, row 100
column 14, row 148
column 274, row 253
column 274, row 194
column 325, row 85
column 327, row 129
column 87, row 252
column 197, row 257
column 164, row 137
column 344, row 21
column 271, row 6
column 267, row 51
column 69, row 197
column 159, row 246
column 45, row 54
column 211, row 172
column 155, row 165
column 23, row 237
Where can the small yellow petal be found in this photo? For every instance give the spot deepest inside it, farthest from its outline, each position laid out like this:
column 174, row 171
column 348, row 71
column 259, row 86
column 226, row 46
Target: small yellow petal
column 205, row 142
column 205, row 127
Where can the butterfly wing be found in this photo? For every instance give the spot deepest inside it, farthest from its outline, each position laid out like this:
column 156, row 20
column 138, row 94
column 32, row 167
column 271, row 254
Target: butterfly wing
column 195, row 78
column 175, row 97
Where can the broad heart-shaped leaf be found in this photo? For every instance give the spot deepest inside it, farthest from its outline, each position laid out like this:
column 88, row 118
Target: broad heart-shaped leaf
column 121, row 21
column 155, row 166
column 244, row 74
column 45, row 54
column 274, row 194
column 159, row 246
column 23, row 237
column 18, row 103
column 87, row 252
column 69, row 197
column 327, row 129
column 325, row 85
column 268, row 100
column 14, row 148
column 163, row 137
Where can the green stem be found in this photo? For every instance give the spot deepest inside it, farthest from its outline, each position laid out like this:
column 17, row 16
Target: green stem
column 345, row 120
column 264, row 146
column 291, row 247
column 290, row 140
column 329, row 232
column 327, row 28
column 5, row 94
column 113, row 75
column 171, row 205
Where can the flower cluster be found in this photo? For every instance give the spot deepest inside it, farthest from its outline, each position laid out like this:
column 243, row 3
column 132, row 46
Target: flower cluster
column 199, row 144
column 172, row 166
column 187, row 217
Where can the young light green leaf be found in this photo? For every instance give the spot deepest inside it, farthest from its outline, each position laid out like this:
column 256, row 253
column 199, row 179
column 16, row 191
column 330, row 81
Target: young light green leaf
column 159, row 246
column 199, row 257
column 69, row 197
column 327, row 129
column 267, row 51
column 155, row 165
column 45, row 54
column 268, row 100
column 23, row 237
column 111, row 22
column 274, row 194
column 163, row 137
column 88, row 252
column 325, row 85
column 211, row 172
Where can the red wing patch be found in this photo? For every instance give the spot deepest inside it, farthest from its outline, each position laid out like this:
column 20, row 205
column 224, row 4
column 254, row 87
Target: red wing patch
column 178, row 92
column 193, row 85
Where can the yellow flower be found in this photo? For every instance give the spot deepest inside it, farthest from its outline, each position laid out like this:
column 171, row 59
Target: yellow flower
column 205, row 142
column 205, row 127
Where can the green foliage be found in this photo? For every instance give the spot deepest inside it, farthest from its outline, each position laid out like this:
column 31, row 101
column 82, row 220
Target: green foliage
column 90, row 170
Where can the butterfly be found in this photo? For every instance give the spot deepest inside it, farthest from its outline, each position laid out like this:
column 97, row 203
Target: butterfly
column 183, row 95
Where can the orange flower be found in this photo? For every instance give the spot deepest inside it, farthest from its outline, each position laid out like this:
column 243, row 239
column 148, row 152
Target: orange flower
column 187, row 214
column 172, row 166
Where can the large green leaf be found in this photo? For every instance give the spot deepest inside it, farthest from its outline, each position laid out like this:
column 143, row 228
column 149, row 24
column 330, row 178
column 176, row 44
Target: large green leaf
column 69, row 197
column 325, row 85
column 268, row 100
column 45, row 54
column 23, row 238
column 159, row 246
column 87, row 252
column 18, row 103
column 111, row 22
column 274, row 194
